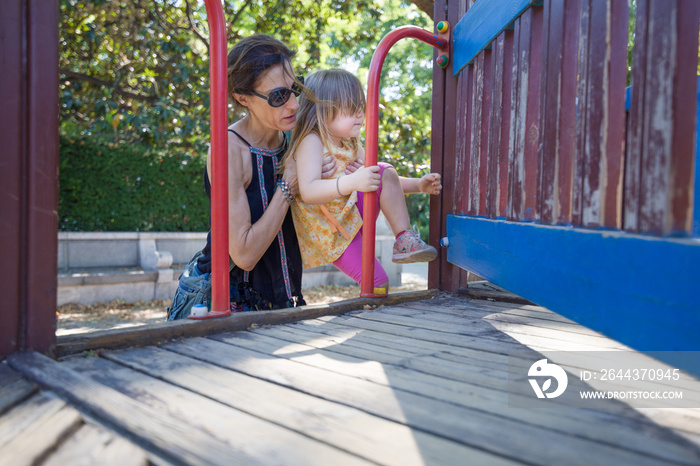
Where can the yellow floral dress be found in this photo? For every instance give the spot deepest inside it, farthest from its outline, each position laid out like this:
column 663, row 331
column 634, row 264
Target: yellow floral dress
column 324, row 236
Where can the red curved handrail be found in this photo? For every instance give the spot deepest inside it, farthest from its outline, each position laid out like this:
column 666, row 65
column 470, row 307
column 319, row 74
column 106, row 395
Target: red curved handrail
column 371, row 139
column 220, row 305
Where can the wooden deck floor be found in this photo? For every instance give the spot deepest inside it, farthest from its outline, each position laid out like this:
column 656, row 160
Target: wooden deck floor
column 414, row 383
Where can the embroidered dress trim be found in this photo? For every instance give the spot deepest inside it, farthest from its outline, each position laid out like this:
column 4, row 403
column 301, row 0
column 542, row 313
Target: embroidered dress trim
column 259, row 154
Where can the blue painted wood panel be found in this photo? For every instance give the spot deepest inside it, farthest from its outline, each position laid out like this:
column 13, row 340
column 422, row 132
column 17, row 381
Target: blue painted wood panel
column 642, row 291
column 482, row 23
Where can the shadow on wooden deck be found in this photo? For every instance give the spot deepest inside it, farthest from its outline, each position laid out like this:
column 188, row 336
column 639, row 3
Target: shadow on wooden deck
column 422, row 382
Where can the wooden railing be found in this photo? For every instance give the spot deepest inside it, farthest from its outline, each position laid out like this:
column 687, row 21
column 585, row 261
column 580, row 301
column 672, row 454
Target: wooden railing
column 542, row 111
column 552, row 189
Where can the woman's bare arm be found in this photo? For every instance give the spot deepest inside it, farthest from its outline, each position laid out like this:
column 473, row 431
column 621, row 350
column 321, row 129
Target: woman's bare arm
column 248, row 242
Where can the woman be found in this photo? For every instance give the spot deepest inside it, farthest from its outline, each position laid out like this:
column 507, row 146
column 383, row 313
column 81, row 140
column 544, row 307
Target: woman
column 266, row 263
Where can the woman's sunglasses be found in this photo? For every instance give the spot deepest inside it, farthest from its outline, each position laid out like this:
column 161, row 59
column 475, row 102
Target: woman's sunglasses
column 280, row 96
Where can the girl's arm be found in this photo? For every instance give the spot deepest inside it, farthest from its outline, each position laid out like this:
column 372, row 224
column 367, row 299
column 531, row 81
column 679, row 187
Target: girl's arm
column 431, row 183
column 248, row 242
column 315, row 190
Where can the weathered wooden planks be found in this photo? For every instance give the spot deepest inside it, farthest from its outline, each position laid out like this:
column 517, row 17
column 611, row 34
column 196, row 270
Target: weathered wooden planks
column 547, row 336
column 152, row 334
column 525, row 116
column 13, row 388
column 225, row 404
column 330, row 423
column 558, row 116
column 92, row 445
column 35, row 410
column 499, row 126
column 175, row 442
column 597, row 200
column 422, row 382
column 33, row 444
column 44, row 429
column 616, row 427
column 471, row 426
column 481, row 97
column 481, row 366
column 571, row 159
column 658, row 188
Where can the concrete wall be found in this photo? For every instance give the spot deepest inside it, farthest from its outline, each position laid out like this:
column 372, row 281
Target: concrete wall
column 91, row 250
column 102, row 266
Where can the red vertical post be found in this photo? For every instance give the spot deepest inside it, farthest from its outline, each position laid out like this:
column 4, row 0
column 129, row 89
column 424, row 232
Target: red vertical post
column 371, row 141
column 450, row 118
column 29, row 174
column 219, row 160
column 437, row 158
column 39, row 250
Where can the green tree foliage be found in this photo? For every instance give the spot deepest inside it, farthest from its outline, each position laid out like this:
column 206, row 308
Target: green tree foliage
column 136, row 72
column 133, row 70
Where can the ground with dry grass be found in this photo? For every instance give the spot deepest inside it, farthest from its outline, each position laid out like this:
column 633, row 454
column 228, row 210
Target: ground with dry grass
column 78, row 318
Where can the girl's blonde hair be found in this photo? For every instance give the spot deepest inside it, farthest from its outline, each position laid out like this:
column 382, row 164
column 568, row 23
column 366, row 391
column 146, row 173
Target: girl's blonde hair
column 332, row 92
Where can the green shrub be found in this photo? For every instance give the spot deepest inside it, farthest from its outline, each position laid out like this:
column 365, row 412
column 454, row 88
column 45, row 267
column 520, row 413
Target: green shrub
column 105, row 186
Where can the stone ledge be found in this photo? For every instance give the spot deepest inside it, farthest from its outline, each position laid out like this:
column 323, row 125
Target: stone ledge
column 98, row 277
column 129, row 235
column 97, row 266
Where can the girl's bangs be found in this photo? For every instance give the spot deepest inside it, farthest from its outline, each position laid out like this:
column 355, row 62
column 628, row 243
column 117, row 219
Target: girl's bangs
column 352, row 97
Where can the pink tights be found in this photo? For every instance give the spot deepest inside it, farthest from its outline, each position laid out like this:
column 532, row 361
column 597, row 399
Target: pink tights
column 350, row 263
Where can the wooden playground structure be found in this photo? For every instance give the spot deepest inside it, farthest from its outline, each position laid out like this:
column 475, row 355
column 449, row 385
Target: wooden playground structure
column 564, row 183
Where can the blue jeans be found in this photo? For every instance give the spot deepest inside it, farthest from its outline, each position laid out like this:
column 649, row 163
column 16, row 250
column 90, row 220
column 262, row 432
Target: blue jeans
column 194, row 287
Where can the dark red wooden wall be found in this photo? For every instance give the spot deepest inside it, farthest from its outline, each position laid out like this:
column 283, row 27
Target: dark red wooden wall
column 535, row 129
column 28, row 174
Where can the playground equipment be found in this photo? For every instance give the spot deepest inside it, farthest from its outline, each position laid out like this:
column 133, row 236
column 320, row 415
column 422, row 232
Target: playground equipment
column 220, row 306
column 220, row 300
column 441, row 41
column 553, row 189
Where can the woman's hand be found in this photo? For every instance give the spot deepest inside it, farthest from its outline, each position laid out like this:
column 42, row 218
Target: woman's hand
column 431, row 183
column 329, row 167
column 365, row 179
column 354, row 166
column 290, row 176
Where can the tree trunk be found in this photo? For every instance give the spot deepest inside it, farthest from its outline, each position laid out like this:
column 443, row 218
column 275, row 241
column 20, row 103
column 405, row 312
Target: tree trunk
column 426, row 6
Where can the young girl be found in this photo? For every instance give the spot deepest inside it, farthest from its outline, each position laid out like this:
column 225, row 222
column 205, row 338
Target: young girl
column 328, row 218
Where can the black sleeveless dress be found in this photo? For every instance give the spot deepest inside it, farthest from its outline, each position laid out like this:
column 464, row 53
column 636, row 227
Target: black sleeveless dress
column 275, row 281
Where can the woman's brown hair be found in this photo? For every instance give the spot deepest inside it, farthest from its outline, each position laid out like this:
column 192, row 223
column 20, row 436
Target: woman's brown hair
column 251, row 57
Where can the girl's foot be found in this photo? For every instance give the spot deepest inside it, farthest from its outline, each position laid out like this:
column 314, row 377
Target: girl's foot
column 408, row 248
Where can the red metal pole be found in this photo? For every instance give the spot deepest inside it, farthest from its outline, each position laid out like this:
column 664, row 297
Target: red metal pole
column 219, row 160
column 371, row 139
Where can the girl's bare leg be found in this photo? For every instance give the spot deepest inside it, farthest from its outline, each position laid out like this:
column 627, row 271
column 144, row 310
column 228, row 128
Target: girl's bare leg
column 393, row 203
